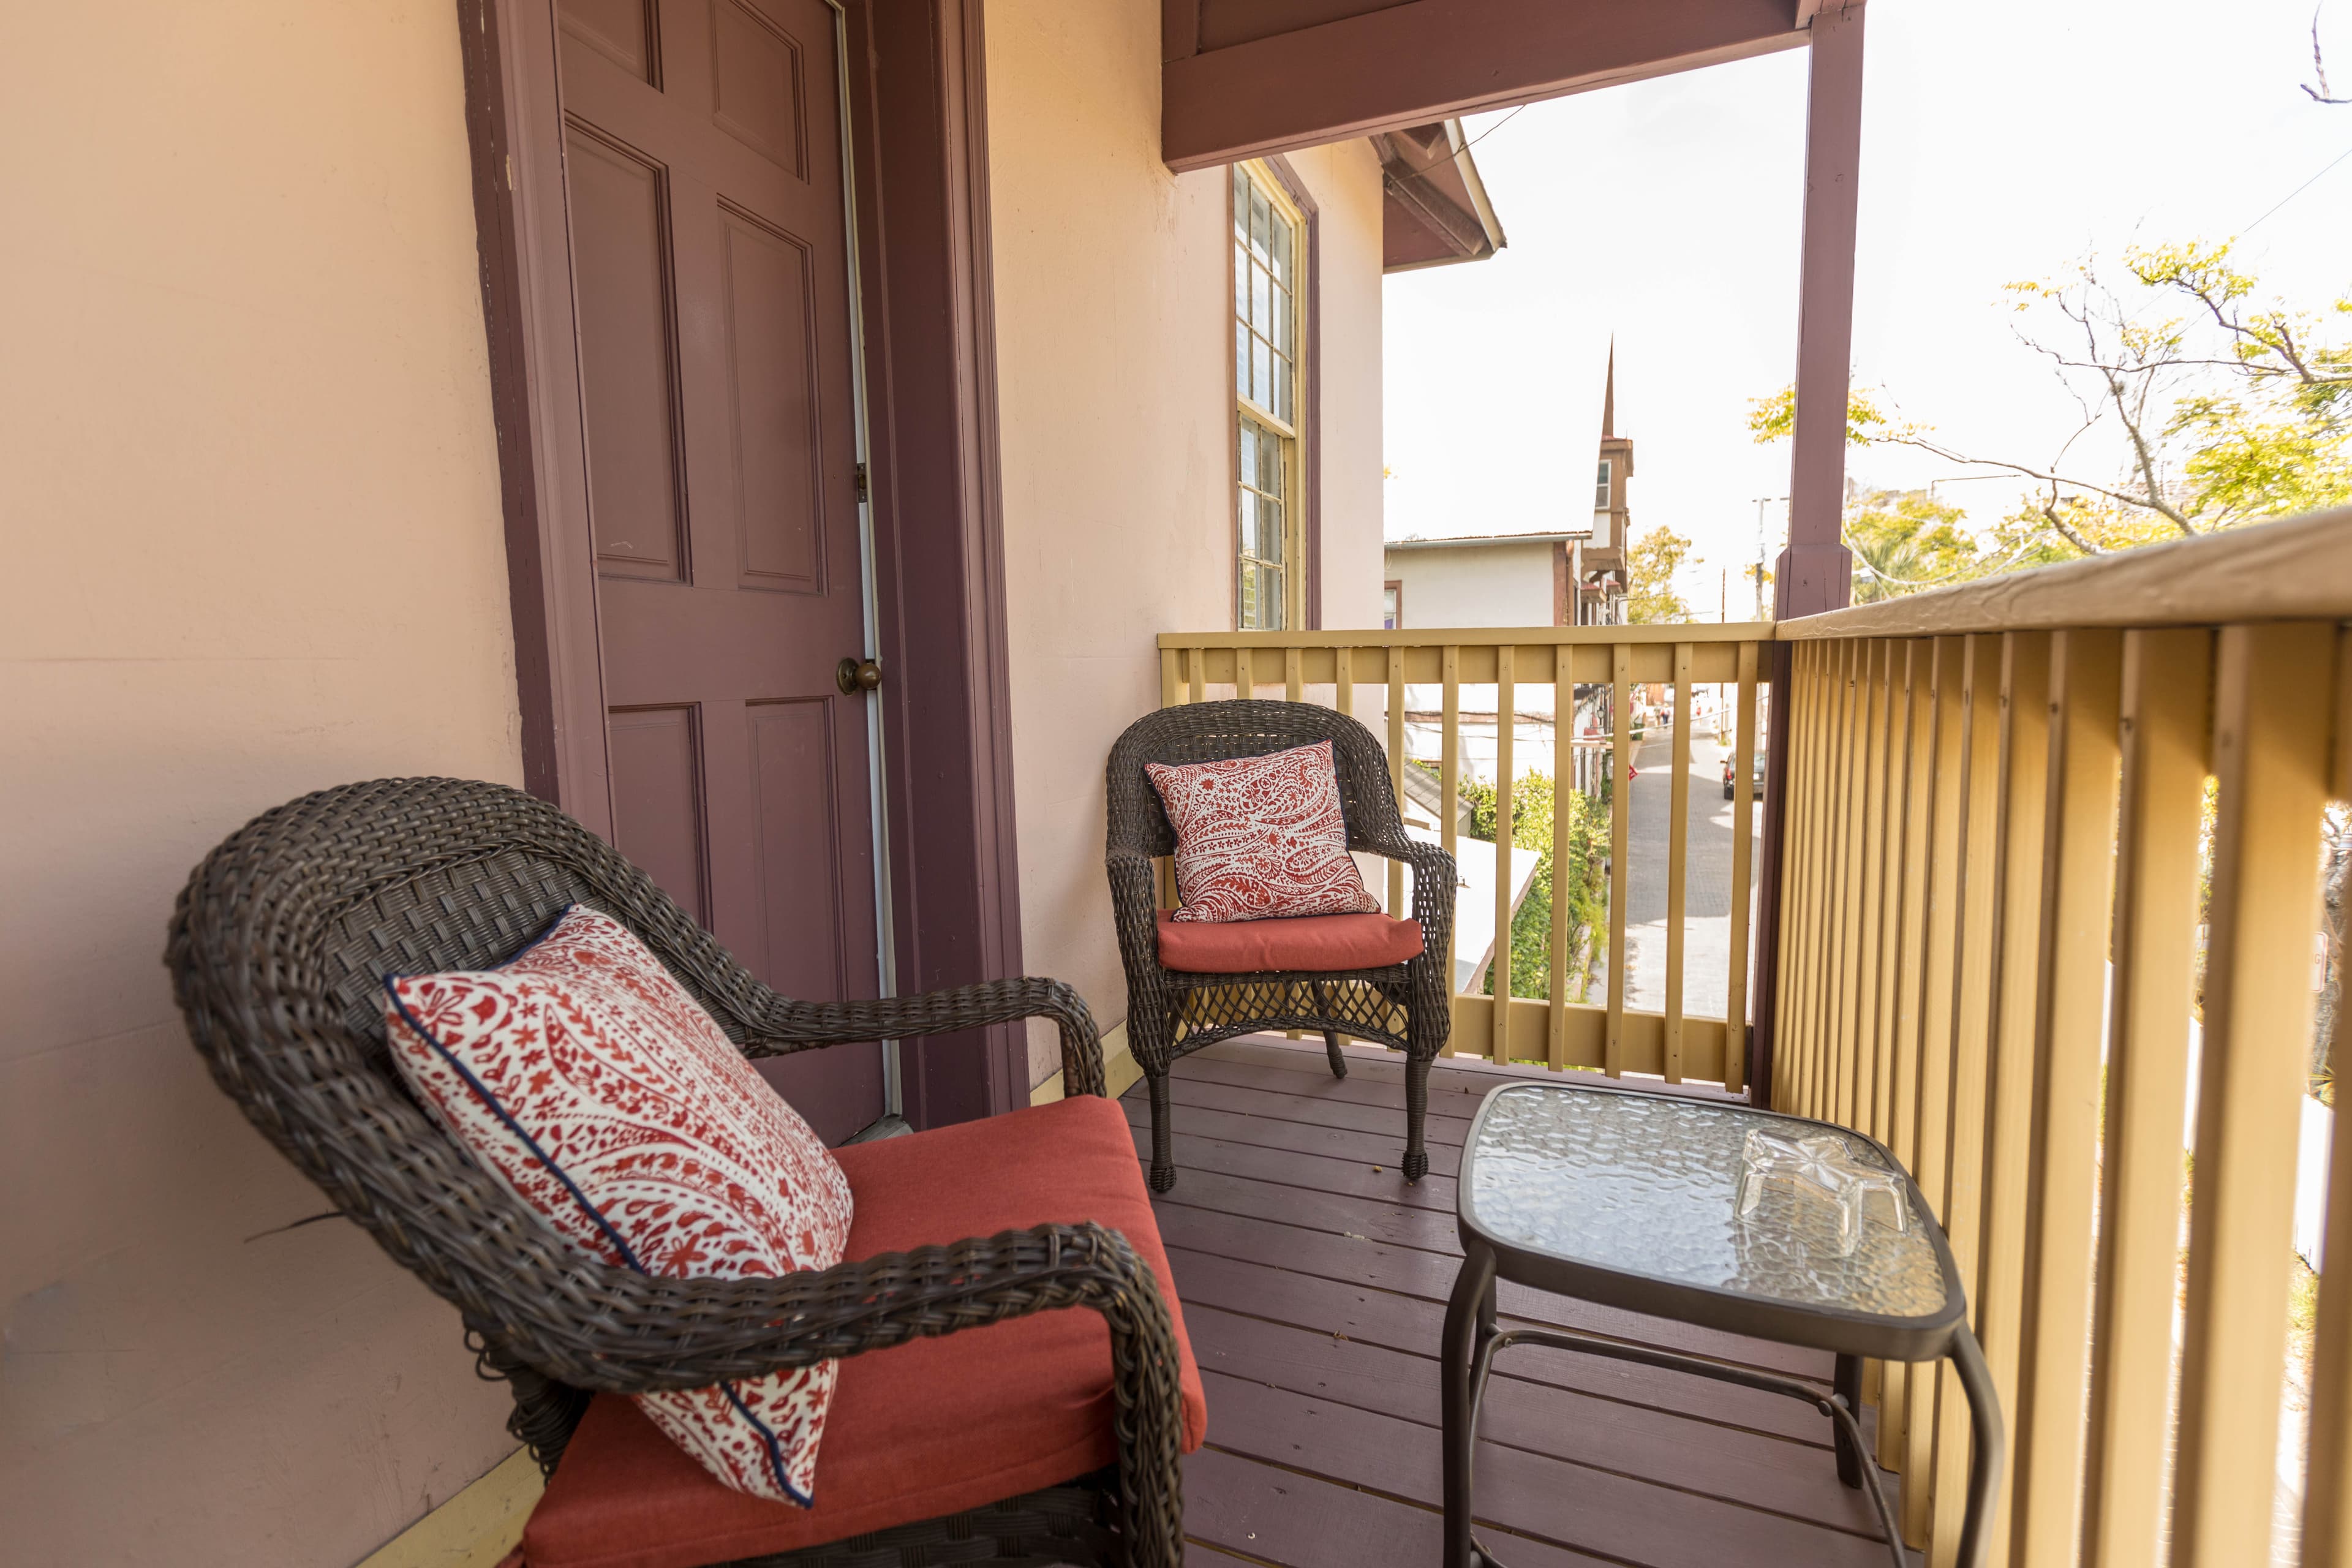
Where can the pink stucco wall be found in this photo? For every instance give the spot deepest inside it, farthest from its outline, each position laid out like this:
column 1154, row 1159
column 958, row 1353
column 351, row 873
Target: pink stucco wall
column 252, row 528
column 1113, row 327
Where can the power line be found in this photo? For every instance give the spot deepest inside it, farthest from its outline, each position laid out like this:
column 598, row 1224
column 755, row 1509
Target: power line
column 2296, row 191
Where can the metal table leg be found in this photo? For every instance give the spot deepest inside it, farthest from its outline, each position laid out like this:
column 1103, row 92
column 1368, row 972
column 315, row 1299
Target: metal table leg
column 1987, row 1442
column 1469, row 1329
column 1848, row 1385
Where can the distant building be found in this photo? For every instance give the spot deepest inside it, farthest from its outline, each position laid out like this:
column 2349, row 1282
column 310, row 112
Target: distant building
column 1570, row 577
column 1602, row 570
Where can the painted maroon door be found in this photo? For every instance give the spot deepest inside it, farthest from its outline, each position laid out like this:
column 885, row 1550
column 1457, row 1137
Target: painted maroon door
column 703, row 188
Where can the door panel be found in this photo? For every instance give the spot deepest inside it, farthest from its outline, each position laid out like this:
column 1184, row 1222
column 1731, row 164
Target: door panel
column 657, row 768
column 712, row 289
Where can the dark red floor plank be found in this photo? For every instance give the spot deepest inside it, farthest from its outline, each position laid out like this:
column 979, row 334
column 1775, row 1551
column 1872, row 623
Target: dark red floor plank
column 1404, row 1381
column 1289, row 1254
column 1313, row 1173
column 1360, row 1088
column 1205, row 1094
column 1613, row 1513
column 1314, row 1277
column 1368, row 1148
column 1280, row 1516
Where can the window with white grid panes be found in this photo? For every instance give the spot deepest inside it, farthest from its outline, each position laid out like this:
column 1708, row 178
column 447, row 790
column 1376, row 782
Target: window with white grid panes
column 1269, row 253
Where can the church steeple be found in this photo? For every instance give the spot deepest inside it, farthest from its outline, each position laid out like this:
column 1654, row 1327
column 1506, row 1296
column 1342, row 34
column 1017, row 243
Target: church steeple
column 1608, row 397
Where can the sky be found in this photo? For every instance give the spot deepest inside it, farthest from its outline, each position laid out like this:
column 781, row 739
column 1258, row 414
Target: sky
column 1997, row 144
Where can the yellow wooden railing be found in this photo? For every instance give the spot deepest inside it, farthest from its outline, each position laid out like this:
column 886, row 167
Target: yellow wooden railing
column 1340, row 669
column 1994, row 839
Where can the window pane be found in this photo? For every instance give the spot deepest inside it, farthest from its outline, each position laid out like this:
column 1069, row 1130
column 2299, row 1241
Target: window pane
column 1261, row 224
column 1242, row 357
column 1261, row 305
column 1278, row 399
column 1249, row 598
column 1280, row 237
column 1267, row 474
column 1279, row 325
column 1270, row 597
column 1241, row 281
column 1248, row 448
column 1261, row 381
column 1241, row 206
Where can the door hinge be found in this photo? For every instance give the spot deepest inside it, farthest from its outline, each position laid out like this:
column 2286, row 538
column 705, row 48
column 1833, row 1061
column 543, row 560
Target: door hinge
column 858, row 474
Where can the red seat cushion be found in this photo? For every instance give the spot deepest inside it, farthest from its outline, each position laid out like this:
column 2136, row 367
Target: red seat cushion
column 1305, row 942
column 933, row 1427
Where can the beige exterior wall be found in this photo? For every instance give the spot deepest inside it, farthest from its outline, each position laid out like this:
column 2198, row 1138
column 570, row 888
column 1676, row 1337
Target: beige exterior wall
column 1475, row 585
column 252, row 527
column 1113, row 327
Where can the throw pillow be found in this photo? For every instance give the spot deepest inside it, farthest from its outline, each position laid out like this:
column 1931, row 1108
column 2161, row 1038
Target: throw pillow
column 1258, row 837
column 591, row 1083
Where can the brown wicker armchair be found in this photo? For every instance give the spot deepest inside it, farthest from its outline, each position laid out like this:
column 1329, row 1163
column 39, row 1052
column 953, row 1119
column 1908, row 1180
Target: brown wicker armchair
column 278, row 948
column 1172, row 1012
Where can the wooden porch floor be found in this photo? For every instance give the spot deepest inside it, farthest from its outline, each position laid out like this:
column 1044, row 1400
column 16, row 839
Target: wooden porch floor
column 1314, row 1283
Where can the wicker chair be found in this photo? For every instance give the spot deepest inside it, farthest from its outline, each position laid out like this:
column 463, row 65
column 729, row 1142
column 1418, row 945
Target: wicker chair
column 1172, row 1012
column 277, row 947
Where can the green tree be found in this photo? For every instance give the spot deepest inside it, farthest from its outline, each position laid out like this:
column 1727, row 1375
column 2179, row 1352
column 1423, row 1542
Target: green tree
column 1650, row 567
column 1904, row 541
column 2221, row 406
column 1533, row 804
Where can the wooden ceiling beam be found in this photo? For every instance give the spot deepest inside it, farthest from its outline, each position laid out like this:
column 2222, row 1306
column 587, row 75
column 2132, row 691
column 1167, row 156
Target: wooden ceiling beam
column 1431, row 60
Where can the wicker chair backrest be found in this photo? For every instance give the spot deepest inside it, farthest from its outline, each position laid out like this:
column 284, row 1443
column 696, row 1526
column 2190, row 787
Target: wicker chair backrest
column 1213, row 731
column 278, row 949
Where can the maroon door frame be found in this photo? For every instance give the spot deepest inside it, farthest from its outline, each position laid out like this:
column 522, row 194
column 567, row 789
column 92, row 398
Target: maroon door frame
column 918, row 151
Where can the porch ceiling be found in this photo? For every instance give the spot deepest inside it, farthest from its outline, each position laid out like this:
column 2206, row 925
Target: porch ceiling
column 1242, row 78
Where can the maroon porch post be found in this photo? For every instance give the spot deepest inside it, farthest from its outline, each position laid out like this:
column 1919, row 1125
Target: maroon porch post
column 1815, row 573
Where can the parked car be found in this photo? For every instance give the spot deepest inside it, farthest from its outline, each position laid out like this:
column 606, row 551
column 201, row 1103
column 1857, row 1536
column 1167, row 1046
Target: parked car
column 1756, row 774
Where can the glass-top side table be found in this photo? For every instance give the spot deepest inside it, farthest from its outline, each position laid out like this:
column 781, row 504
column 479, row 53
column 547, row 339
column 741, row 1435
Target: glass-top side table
column 1636, row 1200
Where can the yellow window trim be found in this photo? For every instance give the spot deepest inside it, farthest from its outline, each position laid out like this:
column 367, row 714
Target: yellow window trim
column 1264, row 180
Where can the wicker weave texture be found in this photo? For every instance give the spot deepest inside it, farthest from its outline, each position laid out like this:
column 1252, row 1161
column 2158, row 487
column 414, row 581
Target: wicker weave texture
column 1169, row 1012
column 277, row 951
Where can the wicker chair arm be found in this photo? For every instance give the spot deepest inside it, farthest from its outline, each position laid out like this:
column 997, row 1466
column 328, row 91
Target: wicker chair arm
column 694, row 1332
column 1435, row 879
column 784, row 1025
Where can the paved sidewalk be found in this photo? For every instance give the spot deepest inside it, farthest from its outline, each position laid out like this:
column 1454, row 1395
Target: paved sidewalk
column 1707, row 951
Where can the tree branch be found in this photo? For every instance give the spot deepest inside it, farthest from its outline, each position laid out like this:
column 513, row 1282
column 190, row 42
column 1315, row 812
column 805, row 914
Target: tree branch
column 2319, row 66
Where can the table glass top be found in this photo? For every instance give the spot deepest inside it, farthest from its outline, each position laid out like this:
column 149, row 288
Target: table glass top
column 1648, row 1184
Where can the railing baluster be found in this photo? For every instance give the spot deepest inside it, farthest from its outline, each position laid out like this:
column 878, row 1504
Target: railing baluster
column 1294, row 687
column 1836, row 900
column 1396, row 773
column 2272, row 765
column 1677, row 862
column 1197, row 666
column 1621, row 821
column 1977, row 855
column 1743, row 847
column 1874, row 1008
column 1498, row 968
column 2077, row 878
column 1821, row 886
column 1449, row 804
column 1905, row 928
column 2015, row 988
column 1563, row 757
column 1343, row 681
column 1939, row 947
column 2165, row 723
column 2328, row 1483
column 1799, row 991
column 1837, row 1086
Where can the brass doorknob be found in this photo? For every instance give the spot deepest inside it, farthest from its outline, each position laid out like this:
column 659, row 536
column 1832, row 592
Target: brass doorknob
column 857, row 675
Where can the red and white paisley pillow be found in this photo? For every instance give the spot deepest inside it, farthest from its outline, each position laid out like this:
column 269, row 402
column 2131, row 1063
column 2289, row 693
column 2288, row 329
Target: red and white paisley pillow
column 592, row 1084
column 1258, row 837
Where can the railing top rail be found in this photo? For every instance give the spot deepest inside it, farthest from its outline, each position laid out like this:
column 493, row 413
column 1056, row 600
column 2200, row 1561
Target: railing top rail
column 2293, row 570
column 1479, row 636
